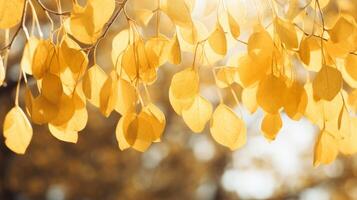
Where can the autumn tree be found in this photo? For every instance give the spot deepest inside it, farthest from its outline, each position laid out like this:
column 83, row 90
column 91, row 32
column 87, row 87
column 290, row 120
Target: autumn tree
column 299, row 58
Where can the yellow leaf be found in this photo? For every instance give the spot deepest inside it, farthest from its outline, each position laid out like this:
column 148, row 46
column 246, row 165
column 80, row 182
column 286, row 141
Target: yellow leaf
column 136, row 130
column 156, row 118
column 249, row 98
column 157, row 50
column 295, row 101
column 74, row 58
column 129, row 64
column 327, row 83
column 234, row 26
column 349, row 71
column 226, row 76
column 147, row 72
column 79, row 118
column 352, row 100
column 142, row 16
column 51, row 88
column 119, row 45
column 347, row 145
column 127, row 97
column 175, row 51
column 270, row 94
column 331, row 12
column 120, row 131
column 93, row 81
column 86, row 23
column 287, row 33
column 227, row 128
column 179, row 104
column 310, row 53
column 189, row 34
column 260, row 45
column 185, row 84
column 66, row 109
column 342, row 30
column 63, row 134
column 217, row 40
column 73, row 64
column 326, row 149
column 304, row 50
column 271, row 125
column 251, row 70
column 314, row 109
column 108, row 94
column 198, row 114
column 17, row 130
column 178, row 11
column 43, row 111
column 43, row 57
column 10, row 13
column 28, row 54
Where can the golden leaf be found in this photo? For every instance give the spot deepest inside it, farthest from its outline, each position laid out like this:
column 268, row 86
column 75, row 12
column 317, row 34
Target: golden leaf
column 251, row 70
column 93, row 82
column 127, row 97
column 185, row 84
column 66, row 109
column 270, row 94
column 178, row 11
column 86, row 23
column 175, row 51
column 135, row 131
column 63, row 134
column 109, row 94
column 326, row 149
column 327, row 83
column 349, row 71
column 51, row 88
column 119, row 45
column 249, row 98
column 233, row 26
column 10, row 13
column 198, row 114
column 304, row 50
column 17, row 130
column 28, row 54
column 217, row 40
column 287, row 33
column 226, row 76
column 43, row 111
column 295, row 101
column 227, row 128
column 43, row 57
column 271, row 125
column 260, row 45
column 157, row 50
column 156, row 118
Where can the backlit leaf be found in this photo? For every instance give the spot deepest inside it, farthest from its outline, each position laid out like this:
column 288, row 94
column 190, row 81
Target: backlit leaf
column 327, row 83
column 17, row 130
column 198, row 114
column 227, row 128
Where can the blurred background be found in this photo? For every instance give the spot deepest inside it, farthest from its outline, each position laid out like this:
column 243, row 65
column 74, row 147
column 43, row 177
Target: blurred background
column 184, row 165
